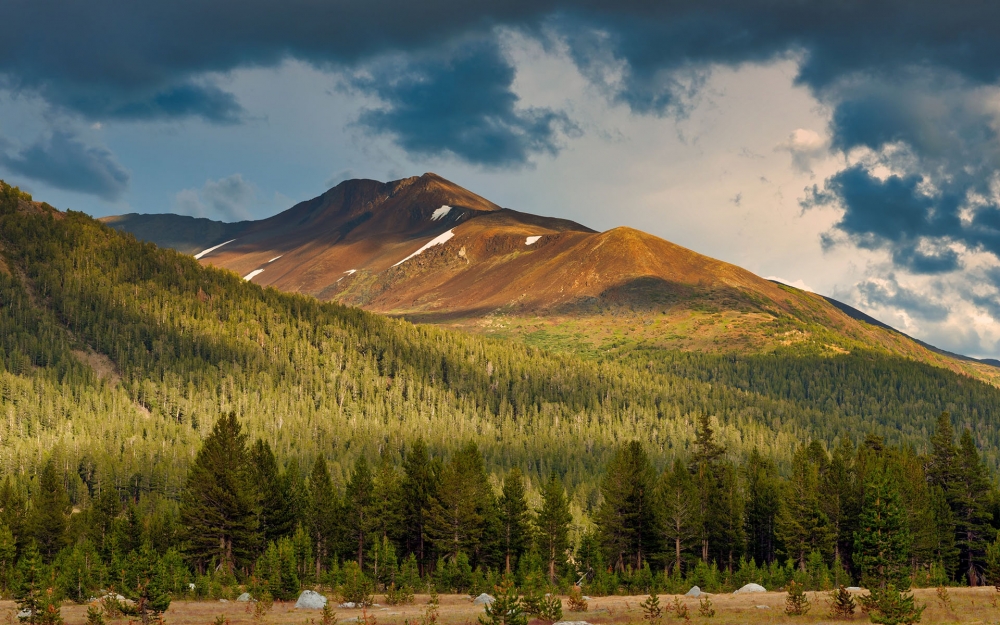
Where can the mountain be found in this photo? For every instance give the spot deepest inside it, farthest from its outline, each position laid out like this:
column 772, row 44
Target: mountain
column 428, row 250
column 117, row 356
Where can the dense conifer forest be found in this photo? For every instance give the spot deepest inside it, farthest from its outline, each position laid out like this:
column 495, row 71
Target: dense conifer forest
column 172, row 430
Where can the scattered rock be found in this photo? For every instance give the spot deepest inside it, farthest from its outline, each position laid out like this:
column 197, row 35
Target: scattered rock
column 223, row 600
column 586, row 598
column 310, row 600
column 483, row 599
column 694, row 592
column 191, row 587
column 24, row 614
column 854, row 588
column 572, row 623
column 348, row 605
column 244, row 598
column 763, row 607
column 750, row 588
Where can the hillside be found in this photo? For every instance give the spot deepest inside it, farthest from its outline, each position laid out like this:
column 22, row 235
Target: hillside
column 427, row 250
column 119, row 356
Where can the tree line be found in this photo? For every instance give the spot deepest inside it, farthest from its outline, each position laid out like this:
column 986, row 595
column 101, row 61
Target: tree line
column 247, row 520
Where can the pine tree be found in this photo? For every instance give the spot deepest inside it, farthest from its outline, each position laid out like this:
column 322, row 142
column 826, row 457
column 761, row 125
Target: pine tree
column 324, row 512
column 146, row 583
column 763, row 496
column 275, row 518
column 679, row 506
column 459, row 513
column 552, row 522
column 388, row 500
column 514, row 519
column 837, row 491
column 882, row 540
column 50, row 515
column 8, row 559
column 219, row 504
column 970, row 502
column 32, row 593
column 14, row 513
column 802, row 526
column 359, row 521
column 626, row 518
column 704, row 468
column 420, row 486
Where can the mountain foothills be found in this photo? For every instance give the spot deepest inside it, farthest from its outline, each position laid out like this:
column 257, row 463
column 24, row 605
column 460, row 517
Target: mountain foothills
column 428, row 250
column 167, row 423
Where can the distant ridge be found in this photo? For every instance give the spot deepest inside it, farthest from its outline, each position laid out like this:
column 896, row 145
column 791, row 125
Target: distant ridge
column 429, row 250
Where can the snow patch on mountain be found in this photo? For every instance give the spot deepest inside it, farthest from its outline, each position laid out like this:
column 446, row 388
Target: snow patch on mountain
column 211, row 249
column 438, row 240
column 252, row 274
column 441, row 212
column 532, row 240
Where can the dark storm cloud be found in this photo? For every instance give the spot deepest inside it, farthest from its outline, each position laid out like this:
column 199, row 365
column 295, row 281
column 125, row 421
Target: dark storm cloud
column 144, row 60
column 462, row 105
column 65, row 162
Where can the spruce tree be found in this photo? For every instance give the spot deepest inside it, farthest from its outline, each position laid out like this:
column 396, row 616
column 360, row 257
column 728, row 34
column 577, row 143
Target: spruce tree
column 276, row 517
column 678, row 502
column 802, row 526
column 420, row 487
column 882, row 540
column 387, row 500
column 626, row 519
column 324, row 512
column 14, row 513
column 359, row 518
column 970, row 501
column 552, row 523
column 459, row 513
column 219, row 504
column 514, row 519
column 146, row 583
column 50, row 514
column 763, row 504
column 704, row 466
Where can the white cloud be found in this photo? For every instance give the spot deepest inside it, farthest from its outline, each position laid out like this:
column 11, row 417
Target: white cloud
column 228, row 199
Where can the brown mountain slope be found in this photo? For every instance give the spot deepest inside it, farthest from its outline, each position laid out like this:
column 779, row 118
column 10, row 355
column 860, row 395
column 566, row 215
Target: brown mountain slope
column 431, row 251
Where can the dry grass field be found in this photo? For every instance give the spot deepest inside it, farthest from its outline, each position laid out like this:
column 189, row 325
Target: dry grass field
column 968, row 605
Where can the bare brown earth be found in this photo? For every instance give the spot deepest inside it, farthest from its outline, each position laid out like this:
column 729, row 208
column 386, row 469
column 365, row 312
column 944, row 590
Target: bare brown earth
column 968, row 605
column 570, row 285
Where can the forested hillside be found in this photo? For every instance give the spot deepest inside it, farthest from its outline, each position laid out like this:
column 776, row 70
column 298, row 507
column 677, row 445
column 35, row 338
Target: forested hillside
column 117, row 359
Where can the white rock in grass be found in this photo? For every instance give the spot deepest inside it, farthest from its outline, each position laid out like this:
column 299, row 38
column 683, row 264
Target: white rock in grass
column 854, row 588
column 244, row 598
column 750, row 588
column 483, row 599
column 572, row 623
column 763, row 607
column 310, row 600
column 694, row 592
column 348, row 605
column 24, row 614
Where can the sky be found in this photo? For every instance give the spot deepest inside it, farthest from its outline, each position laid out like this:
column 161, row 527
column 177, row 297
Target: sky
column 850, row 148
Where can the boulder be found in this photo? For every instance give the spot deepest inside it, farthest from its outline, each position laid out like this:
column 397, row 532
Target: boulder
column 572, row 623
column 24, row 614
column 694, row 592
column 223, row 600
column 348, row 605
column 483, row 599
column 310, row 600
column 244, row 598
column 191, row 587
column 763, row 607
column 854, row 588
column 750, row 588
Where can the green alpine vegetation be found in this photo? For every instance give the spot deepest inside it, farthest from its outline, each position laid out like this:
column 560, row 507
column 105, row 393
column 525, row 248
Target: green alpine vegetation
column 168, row 424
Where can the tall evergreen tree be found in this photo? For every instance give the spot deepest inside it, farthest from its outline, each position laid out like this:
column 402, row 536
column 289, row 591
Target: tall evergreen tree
column 219, row 504
column 763, row 496
column 705, row 468
column 420, row 486
column 882, row 540
column 275, row 515
column 463, row 505
column 552, row 522
column 14, row 513
column 802, row 526
column 514, row 519
column 837, row 491
column 970, row 502
column 324, row 512
column 626, row 518
column 359, row 517
column 726, row 518
column 387, row 500
column 50, row 515
column 679, row 508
